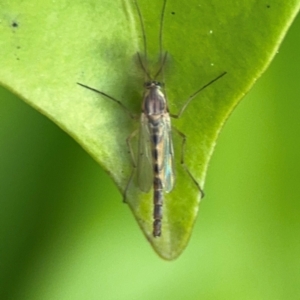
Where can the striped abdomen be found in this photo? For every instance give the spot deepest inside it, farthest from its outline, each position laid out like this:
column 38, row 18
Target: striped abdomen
column 156, row 133
column 162, row 155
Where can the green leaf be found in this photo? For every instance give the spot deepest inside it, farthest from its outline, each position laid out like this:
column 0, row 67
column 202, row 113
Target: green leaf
column 46, row 47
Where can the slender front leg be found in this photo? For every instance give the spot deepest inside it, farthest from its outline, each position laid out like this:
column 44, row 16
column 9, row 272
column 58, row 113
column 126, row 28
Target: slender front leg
column 188, row 101
column 131, row 115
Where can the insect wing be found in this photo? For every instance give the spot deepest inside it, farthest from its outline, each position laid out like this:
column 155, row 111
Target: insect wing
column 144, row 164
column 168, row 173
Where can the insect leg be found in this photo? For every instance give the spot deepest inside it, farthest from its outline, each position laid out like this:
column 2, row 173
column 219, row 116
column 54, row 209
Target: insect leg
column 133, row 161
column 194, row 95
column 132, row 116
column 182, row 162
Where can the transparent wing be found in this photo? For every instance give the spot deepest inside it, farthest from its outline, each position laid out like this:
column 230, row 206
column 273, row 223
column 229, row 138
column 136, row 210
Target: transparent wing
column 144, row 163
column 168, row 173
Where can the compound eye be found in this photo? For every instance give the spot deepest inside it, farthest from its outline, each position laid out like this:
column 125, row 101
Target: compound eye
column 147, row 84
column 160, row 84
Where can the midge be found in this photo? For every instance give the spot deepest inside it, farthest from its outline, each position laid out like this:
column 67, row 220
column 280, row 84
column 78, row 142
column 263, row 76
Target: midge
column 155, row 162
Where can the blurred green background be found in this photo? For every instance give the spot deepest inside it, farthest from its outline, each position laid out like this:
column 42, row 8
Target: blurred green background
column 65, row 234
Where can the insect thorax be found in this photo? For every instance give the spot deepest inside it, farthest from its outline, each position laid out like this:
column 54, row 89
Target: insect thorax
column 154, row 99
